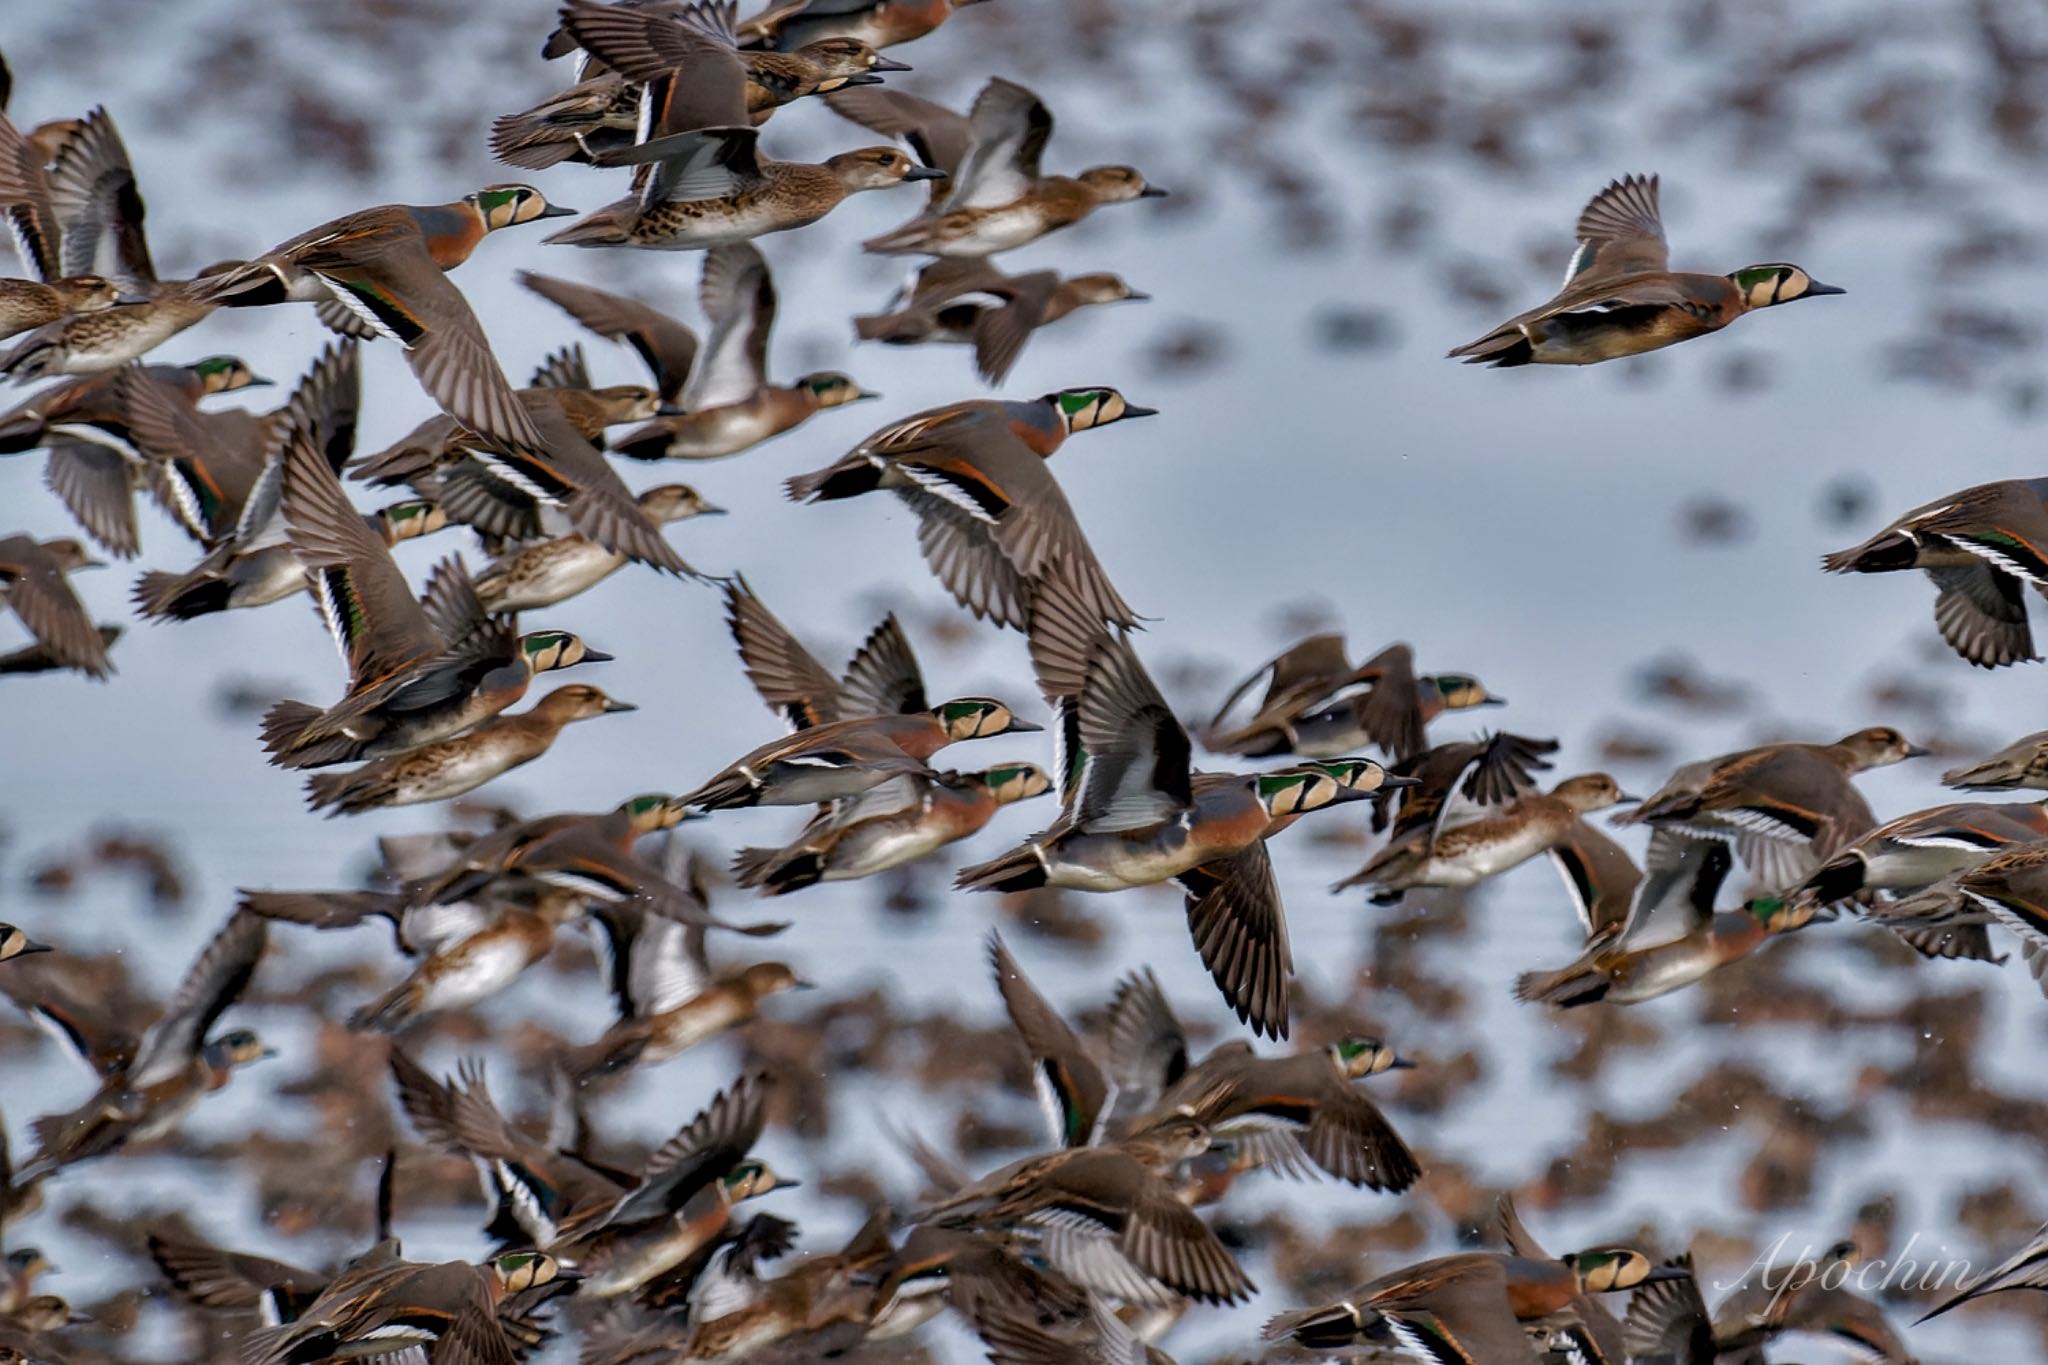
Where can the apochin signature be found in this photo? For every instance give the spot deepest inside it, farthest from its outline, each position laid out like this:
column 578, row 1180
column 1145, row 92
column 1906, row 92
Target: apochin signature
column 1839, row 1267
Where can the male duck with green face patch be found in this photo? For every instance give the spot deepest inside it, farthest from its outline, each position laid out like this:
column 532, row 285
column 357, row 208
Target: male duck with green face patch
column 1136, row 813
column 381, row 272
column 1980, row 547
column 898, row 822
column 419, row 670
column 1621, row 297
column 728, row 403
column 992, row 520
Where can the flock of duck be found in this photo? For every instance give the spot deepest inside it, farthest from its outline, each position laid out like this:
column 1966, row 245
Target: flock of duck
column 1089, row 1249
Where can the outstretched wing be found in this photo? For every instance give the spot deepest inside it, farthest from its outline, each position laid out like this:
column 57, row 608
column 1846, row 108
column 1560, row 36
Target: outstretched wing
column 1620, row 232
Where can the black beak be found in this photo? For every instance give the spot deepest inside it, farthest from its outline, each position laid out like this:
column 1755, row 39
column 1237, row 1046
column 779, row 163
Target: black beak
column 890, row 64
column 924, row 173
column 1626, row 800
column 1493, row 701
column 1154, row 192
column 1918, row 751
column 859, row 78
column 1400, row 1064
column 31, row 946
column 614, row 707
column 1815, row 287
column 1133, row 410
column 802, row 985
column 557, row 211
column 1672, row 1272
column 710, row 509
column 1396, row 780
column 1137, row 296
column 257, row 381
column 1024, row 727
column 595, row 656
column 671, row 410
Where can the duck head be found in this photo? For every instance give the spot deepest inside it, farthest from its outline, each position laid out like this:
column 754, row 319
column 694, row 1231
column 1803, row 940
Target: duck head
column 653, row 811
column 1763, row 286
column 1606, row 1269
column 409, row 520
column 235, row 1048
column 14, row 943
column 580, row 701
column 841, row 58
column 1590, row 792
column 1777, row 915
column 1879, row 746
column 87, row 293
column 502, row 206
column 676, row 502
column 620, row 403
column 224, row 374
column 1117, row 184
column 71, row 555
column 1359, row 1055
column 1360, row 775
column 978, row 718
column 1458, row 691
column 544, row 650
column 877, row 168
column 772, row 978
column 1101, row 287
column 1014, row 782
column 1080, row 409
column 522, row 1270
column 831, row 389
column 1296, row 791
column 751, row 1178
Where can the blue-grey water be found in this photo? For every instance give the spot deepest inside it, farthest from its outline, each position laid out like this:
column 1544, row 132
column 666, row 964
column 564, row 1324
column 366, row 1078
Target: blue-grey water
column 1528, row 526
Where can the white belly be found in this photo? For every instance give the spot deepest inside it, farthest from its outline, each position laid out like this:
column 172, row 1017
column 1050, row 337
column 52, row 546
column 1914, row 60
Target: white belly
column 1901, row 867
column 1001, row 229
column 1110, row 862
column 463, row 773
column 477, row 970
column 864, row 852
column 558, row 576
column 1478, row 862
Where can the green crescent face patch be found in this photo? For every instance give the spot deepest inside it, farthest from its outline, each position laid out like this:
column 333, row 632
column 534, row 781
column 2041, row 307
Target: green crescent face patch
column 1272, row 786
column 1072, row 401
column 1755, row 275
column 543, row 640
column 1351, row 1048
